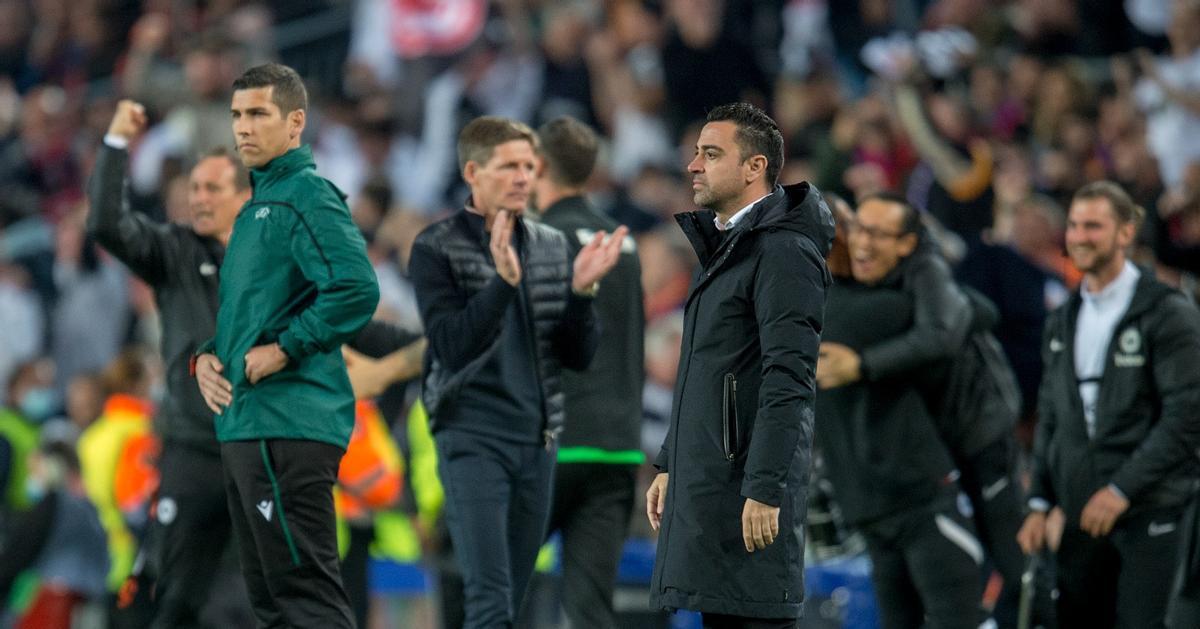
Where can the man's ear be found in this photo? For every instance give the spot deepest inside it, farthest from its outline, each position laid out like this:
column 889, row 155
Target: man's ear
column 1127, row 233
column 296, row 122
column 906, row 244
column 469, row 171
column 754, row 167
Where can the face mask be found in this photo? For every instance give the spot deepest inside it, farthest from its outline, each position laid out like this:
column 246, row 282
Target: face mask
column 158, row 392
column 35, row 489
column 38, row 404
column 45, row 476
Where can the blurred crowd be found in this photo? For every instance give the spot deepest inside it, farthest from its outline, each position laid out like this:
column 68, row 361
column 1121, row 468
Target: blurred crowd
column 987, row 114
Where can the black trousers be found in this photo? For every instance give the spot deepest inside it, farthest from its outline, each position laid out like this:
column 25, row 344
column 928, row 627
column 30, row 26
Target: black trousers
column 281, row 504
column 592, row 503
column 356, row 566
column 990, row 481
column 926, row 564
column 497, row 504
column 722, row 621
column 190, row 533
column 1123, row 579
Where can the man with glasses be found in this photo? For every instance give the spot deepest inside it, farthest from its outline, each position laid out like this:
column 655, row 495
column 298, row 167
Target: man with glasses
column 899, row 316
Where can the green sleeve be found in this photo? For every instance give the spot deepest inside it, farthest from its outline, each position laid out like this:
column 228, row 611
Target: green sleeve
column 207, row 347
column 331, row 254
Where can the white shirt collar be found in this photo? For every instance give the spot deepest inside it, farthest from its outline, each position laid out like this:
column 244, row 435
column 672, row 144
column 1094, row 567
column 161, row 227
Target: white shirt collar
column 736, row 217
column 1123, row 285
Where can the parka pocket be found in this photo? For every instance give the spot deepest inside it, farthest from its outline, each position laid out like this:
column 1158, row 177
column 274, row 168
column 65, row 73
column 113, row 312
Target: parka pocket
column 729, row 418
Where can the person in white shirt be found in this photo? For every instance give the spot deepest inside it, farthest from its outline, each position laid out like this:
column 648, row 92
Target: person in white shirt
column 1117, row 428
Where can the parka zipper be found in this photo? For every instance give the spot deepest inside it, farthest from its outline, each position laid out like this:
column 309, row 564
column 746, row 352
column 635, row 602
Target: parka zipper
column 729, row 420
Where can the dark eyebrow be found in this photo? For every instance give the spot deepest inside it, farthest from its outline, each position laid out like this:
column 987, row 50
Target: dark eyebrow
column 711, row 147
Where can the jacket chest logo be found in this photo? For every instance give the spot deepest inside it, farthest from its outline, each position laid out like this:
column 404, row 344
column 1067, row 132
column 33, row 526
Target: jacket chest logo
column 585, row 236
column 208, row 268
column 262, row 213
column 1128, row 345
column 1056, row 345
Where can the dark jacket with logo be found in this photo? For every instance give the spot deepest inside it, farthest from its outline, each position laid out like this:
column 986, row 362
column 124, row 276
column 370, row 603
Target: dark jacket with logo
column 463, row 303
column 1147, row 426
column 296, row 272
column 742, row 422
column 182, row 267
column 604, row 403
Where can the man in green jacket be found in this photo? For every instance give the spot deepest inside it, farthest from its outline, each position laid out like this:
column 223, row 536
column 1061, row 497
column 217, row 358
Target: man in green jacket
column 295, row 285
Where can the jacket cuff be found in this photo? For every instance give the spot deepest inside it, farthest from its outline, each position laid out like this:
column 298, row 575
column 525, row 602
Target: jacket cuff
column 207, row 347
column 1040, row 505
column 768, row 494
column 115, row 141
column 660, row 460
column 291, row 346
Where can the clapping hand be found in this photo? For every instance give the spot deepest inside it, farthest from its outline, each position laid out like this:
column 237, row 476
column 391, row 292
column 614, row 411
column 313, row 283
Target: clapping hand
column 508, row 265
column 597, row 258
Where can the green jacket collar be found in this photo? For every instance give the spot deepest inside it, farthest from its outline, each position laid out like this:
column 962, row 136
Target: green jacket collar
column 285, row 165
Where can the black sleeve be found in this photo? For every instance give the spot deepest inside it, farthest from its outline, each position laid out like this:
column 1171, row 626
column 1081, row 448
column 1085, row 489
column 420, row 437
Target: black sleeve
column 941, row 320
column 1041, row 485
column 578, row 334
column 1174, row 348
column 789, row 308
column 26, row 537
column 985, row 315
column 380, row 338
column 458, row 328
column 144, row 245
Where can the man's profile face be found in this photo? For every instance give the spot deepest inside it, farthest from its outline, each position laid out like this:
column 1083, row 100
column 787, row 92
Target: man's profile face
column 876, row 239
column 505, row 181
column 262, row 132
column 1095, row 238
column 717, row 169
column 213, row 197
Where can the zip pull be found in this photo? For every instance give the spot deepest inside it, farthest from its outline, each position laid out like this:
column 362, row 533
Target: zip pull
column 729, row 417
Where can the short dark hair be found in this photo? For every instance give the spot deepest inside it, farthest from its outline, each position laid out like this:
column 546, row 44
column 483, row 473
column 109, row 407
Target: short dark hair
column 569, row 148
column 482, row 135
column 378, row 190
column 910, row 220
column 1123, row 206
column 241, row 174
column 757, row 134
column 288, row 92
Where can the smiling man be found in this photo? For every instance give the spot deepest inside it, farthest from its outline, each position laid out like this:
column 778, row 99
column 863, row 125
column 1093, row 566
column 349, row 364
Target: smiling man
column 181, row 264
column 894, row 333
column 504, row 309
column 1117, row 424
column 295, row 285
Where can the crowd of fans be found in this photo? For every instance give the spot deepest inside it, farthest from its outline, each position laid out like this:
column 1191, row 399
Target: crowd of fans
column 987, row 114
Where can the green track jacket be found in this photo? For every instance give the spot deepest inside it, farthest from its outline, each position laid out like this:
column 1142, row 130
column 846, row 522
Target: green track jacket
column 295, row 272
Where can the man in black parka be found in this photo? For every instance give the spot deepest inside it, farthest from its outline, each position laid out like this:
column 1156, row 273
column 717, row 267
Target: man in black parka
column 729, row 500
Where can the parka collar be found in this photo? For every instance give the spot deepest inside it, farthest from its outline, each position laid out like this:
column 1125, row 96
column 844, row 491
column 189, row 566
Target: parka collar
column 797, row 208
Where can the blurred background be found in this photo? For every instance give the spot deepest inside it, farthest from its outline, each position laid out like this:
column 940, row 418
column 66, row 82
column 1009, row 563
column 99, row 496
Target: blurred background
column 987, row 114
